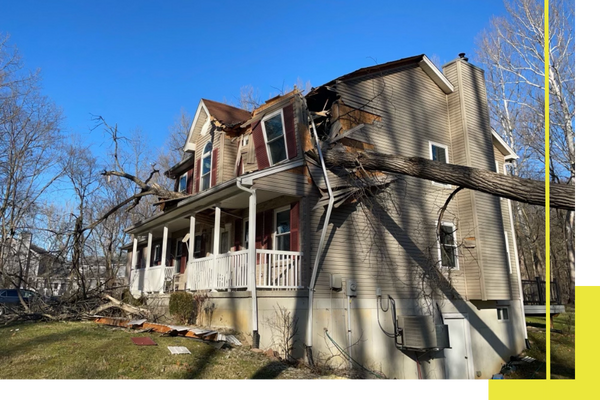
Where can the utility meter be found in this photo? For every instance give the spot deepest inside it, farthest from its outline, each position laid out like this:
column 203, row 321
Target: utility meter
column 351, row 287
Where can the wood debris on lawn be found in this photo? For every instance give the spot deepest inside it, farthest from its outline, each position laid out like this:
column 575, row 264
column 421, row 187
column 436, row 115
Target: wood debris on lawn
column 172, row 330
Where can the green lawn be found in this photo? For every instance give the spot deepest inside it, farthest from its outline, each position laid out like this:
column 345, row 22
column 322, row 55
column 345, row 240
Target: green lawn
column 86, row 350
column 562, row 349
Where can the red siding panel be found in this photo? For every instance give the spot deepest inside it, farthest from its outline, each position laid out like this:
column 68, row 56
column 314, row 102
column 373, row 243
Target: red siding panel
column 268, row 230
column 290, row 132
column 262, row 159
column 213, row 172
column 259, row 230
column 190, row 181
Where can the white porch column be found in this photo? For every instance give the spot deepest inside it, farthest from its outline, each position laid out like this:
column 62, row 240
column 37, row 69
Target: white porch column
column 163, row 256
column 252, row 262
column 134, row 255
column 192, row 242
column 216, row 243
column 149, row 250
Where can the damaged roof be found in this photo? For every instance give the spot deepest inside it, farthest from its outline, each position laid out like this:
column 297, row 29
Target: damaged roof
column 226, row 114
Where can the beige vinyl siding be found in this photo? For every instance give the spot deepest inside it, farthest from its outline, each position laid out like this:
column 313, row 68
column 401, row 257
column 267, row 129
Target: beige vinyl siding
column 504, row 205
column 227, row 158
column 293, row 183
column 471, row 265
column 390, row 242
column 479, row 149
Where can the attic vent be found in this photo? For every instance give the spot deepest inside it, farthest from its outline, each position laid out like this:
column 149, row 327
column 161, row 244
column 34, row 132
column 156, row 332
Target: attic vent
column 420, row 333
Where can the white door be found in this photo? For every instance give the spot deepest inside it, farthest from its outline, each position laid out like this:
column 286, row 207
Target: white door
column 457, row 357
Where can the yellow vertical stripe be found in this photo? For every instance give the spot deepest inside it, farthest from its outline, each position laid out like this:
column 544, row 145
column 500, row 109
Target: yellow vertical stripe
column 547, row 176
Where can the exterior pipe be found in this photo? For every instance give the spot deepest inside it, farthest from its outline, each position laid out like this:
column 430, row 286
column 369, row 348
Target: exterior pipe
column 313, row 279
column 252, row 260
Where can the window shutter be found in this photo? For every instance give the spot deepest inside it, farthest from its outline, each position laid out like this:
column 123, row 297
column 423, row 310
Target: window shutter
column 295, row 226
column 259, row 230
column 268, row 230
column 290, row 132
column 237, row 234
column 262, row 159
column 197, row 174
column 189, row 180
column 214, row 163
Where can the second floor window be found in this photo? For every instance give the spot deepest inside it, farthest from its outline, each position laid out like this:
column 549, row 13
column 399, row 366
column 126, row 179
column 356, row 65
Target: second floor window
column 206, row 166
column 183, row 183
column 274, row 132
column 439, row 152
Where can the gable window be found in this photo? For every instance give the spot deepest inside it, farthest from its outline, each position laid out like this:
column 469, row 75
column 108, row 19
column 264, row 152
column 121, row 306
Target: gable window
column 206, row 166
column 447, row 245
column 183, row 183
column 282, row 229
column 438, row 152
column 502, row 313
column 274, row 132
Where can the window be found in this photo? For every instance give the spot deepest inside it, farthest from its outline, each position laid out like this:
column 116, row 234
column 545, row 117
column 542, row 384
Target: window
column 245, row 140
column 179, row 249
column 183, row 183
column 206, row 165
column 282, row 229
column 224, row 243
column 502, row 313
column 447, row 245
column 274, row 132
column 198, row 246
column 438, row 152
column 157, row 254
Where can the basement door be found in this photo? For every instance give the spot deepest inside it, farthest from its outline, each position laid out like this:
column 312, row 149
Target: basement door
column 458, row 358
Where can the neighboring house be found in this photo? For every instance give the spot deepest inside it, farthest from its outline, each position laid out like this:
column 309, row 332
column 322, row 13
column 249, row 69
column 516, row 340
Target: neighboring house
column 44, row 272
column 250, row 234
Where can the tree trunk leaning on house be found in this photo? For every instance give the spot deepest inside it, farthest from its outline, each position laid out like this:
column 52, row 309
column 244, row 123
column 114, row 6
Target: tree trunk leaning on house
column 529, row 191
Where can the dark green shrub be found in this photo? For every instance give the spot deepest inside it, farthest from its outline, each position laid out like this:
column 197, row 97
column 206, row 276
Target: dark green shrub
column 182, row 307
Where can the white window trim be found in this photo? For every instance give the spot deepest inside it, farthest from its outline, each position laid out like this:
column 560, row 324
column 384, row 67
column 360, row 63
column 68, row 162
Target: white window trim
column 264, row 132
column 278, row 210
column 457, row 267
column 202, row 157
column 431, row 144
column 507, row 314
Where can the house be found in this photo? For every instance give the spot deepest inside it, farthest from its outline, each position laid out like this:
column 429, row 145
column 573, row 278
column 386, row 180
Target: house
column 354, row 260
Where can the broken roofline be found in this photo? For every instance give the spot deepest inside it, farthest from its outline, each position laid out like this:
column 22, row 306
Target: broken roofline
column 189, row 205
column 422, row 60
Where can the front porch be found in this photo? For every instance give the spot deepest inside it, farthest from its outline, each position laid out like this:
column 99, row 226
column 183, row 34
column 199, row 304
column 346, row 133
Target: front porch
column 275, row 269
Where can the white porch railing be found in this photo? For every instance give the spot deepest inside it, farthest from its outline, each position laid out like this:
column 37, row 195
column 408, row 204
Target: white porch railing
column 278, row 269
column 274, row 270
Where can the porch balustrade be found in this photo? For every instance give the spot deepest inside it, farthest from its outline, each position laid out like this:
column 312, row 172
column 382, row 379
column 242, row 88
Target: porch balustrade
column 274, row 270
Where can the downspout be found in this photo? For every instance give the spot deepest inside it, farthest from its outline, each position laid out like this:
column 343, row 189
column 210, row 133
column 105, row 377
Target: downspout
column 313, row 279
column 252, row 260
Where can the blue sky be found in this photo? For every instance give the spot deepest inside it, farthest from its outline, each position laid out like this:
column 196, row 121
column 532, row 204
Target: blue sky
column 138, row 63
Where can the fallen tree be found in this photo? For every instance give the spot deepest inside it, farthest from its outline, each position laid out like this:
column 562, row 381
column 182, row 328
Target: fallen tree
column 508, row 186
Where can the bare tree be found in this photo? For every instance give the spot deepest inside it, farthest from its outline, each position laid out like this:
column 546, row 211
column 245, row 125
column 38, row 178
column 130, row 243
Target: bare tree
column 29, row 133
column 512, row 52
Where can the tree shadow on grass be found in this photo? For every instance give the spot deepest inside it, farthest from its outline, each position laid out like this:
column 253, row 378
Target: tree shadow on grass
column 270, row 371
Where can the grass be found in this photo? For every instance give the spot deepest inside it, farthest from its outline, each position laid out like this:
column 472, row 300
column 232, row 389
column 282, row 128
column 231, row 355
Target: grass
column 86, row 350
column 562, row 348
